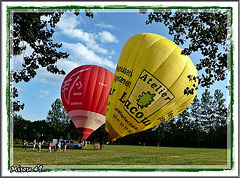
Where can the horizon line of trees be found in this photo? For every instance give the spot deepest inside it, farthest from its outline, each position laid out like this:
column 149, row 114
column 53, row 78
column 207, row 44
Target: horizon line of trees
column 202, row 124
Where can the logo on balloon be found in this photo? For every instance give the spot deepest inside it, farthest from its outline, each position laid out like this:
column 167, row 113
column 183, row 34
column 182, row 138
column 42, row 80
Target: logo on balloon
column 145, row 99
column 68, row 86
column 149, row 93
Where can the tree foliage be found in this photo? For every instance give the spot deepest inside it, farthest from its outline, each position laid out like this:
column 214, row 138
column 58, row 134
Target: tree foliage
column 27, row 130
column 31, row 29
column 35, row 32
column 58, row 120
column 21, row 127
column 206, row 31
column 16, row 104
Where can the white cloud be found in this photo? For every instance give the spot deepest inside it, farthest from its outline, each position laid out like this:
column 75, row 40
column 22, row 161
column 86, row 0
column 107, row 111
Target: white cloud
column 80, row 52
column 107, row 37
column 88, row 38
column 69, row 24
column 103, row 25
column 43, row 93
column 55, row 79
column 67, row 65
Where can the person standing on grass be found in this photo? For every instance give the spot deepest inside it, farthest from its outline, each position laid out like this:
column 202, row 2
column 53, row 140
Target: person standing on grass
column 50, row 147
column 59, row 146
column 56, row 147
column 51, row 144
column 34, row 144
column 65, row 145
column 39, row 146
column 24, row 144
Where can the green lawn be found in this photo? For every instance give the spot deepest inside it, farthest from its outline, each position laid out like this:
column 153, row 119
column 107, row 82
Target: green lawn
column 122, row 155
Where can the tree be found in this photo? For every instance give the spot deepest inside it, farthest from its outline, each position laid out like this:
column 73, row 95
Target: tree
column 171, row 131
column 58, row 119
column 61, row 125
column 213, row 111
column 22, row 128
column 32, row 29
column 206, row 31
column 41, row 130
column 27, row 130
column 220, row 109
column 219, row 131
column 195, row 108
column 16, row 104
column 186, row 129
column 213, row 116
column 37, row 33
column 206, row 111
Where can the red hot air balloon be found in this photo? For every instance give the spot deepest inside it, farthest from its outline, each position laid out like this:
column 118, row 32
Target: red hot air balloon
column 84, row 94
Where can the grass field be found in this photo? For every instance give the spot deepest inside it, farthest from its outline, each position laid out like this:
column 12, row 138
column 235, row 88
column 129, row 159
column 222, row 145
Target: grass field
column 122, row 155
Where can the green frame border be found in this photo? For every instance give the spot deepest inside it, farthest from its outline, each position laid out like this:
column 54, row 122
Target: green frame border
column 8, row 84
column 8, row 93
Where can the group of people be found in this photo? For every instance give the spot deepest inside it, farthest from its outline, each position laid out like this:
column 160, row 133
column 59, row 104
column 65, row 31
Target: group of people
column 57, row 147
column 39, row 145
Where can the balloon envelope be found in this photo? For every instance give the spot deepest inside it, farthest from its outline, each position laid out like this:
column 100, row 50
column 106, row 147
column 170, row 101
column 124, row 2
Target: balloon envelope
column 148, row 85
column 84, row 94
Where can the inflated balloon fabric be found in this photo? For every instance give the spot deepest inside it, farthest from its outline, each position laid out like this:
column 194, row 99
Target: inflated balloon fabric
column 149, row 85
column 84, row 94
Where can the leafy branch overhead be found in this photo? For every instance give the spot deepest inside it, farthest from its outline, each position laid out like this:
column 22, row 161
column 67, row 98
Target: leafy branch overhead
column 32, row 29
column 206, row 31
column 29, row 28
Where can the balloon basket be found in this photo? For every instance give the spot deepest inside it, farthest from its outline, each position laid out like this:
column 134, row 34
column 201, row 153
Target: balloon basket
column 97, row 146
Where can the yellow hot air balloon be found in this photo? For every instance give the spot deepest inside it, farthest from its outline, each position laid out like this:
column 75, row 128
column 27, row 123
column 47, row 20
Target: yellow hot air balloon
column 149, row 85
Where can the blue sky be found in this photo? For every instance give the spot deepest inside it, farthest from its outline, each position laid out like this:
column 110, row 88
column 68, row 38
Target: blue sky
column 97, row 41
